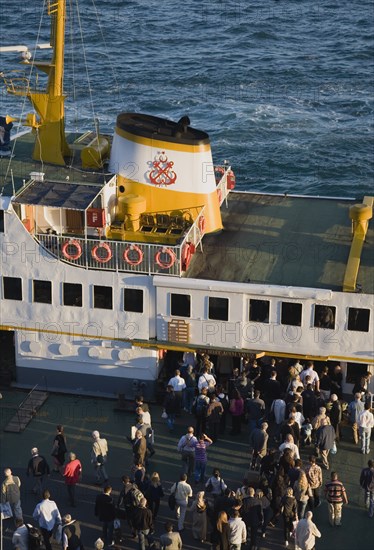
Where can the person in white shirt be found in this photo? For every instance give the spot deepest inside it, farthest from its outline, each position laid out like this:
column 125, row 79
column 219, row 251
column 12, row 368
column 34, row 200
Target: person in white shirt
column 309, row 371
column 183, row 491
column 20, row 539
column 179, row 385
column 146, row 415
column 365, row 424
column 289, row 444
column 206, row 380
column 238, row 531
column 48, row 517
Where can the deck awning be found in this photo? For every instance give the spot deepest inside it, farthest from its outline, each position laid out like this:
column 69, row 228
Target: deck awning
column 53, row 194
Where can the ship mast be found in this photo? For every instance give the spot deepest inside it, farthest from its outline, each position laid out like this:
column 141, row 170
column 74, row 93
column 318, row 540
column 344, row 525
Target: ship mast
column 50, row 141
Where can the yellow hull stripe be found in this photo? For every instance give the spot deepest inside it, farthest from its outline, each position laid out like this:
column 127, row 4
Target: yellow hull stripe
column 182, row 347
column 159, row 144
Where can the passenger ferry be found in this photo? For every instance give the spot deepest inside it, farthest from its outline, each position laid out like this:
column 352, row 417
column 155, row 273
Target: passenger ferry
column 117, row 248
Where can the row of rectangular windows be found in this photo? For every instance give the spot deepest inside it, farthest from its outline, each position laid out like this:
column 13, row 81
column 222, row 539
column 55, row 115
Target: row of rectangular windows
column 180, row 304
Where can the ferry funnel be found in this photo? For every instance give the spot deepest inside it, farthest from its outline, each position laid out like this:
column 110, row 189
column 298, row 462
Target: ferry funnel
column 167, row 163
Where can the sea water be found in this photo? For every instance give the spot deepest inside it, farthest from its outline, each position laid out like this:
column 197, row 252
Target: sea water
column 284, row 88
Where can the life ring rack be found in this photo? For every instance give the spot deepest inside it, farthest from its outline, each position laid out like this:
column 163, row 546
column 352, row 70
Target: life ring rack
column 168, row 263
column 71, row 243
column 135, row 250
column 99, row 259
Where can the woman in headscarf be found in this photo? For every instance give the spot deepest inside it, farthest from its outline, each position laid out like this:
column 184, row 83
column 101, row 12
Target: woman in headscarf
column 306, row 533
column 199, row 517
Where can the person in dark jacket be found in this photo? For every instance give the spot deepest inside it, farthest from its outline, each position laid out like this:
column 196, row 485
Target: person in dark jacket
column 154, row 493
column 367, row 483
column 258, row 440
column 106, row 512
column 335, row 415
column 71, row 538
column 289, row 513
column 59, row 449
column 221, row 532
column 309, row 402
column 325, row 438
column 251, row 512
column 143, row 524
column 170, row 407
column 272, row 389
column 214, row 413
column 39, row 468
column 139, row 448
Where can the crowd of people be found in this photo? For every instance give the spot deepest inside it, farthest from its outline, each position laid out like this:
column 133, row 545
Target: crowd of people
column 281, row 411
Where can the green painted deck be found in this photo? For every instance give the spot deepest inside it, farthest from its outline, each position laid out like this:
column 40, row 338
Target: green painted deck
column 80, row 416
column 283, row 240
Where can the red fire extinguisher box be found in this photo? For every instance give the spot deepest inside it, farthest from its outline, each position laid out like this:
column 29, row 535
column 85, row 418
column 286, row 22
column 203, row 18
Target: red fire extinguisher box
column 95, row 217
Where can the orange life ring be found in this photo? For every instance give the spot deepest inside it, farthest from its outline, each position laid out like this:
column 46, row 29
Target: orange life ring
column 230, row 180
column 219, row 195
column 187, row 252
column 133, row 248
column 78, row 250
column 105, row 247
column 202, row 224
column 168, row 263
column 219, row 170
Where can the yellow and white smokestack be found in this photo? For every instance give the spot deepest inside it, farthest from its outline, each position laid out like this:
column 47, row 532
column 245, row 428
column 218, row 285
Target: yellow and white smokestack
column 169, row 164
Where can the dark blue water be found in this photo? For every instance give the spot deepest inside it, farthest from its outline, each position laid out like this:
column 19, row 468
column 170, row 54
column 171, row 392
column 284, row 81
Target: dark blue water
column 284, row 88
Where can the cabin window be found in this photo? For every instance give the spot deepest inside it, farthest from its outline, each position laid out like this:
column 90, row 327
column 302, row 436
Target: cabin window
column 133, row 300
column 324, row 316
column 72, row 294
column 42, row 292
column 12, row 287
column 180, row 305
column 1, row 221
column 358, row 319
column 219, row 309
column 259, row 311
column 291, row 314
column 103, row 297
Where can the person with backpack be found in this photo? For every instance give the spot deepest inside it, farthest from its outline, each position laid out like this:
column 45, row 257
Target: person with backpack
column 71, row 534
column 128, row 499
column 182, row 491
column 10, row 492
column 39, row 468
column 20, row 539
column 214, row 413
column 143, row 524
column 215, row 485
column 199, row 409
column 48, row 517
column 186, row 446
column 99, row 457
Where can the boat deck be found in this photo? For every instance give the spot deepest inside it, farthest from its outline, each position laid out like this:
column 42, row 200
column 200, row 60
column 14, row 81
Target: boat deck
column 283, row 240
column 21, row 164
column 267, row 239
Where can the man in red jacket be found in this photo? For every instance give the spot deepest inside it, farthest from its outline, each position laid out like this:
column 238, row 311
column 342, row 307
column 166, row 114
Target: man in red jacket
column 72, row 474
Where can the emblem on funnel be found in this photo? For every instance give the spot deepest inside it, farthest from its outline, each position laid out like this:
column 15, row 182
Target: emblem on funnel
column 162, row 173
